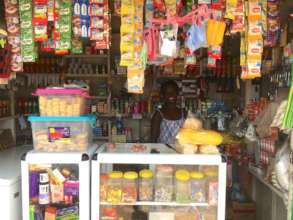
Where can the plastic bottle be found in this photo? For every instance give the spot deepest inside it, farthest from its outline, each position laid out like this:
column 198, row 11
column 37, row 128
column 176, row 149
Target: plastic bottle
column 44, row 189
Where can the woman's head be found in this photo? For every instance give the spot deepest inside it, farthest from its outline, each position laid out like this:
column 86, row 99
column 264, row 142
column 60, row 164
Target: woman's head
column 170, row 91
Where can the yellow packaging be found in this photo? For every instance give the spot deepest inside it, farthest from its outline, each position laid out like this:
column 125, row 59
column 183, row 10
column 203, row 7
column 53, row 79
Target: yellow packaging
column 254, row 50
column 215, row 32
column 135, row 80
column 203, row 137
column 254, row 10
column 254, row 31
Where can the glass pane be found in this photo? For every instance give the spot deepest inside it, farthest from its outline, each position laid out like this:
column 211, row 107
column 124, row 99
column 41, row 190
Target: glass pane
column 54, row 191
column 135, row 191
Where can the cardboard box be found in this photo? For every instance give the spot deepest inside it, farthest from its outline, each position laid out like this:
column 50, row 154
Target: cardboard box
column 243, row 211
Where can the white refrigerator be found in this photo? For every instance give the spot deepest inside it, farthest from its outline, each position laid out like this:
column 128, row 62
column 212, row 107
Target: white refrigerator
column 56, row 185
column 134, row 157
column 10, row 182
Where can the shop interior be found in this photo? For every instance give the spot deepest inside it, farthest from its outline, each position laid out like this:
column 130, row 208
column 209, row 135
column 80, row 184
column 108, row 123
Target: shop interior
column 85, row 90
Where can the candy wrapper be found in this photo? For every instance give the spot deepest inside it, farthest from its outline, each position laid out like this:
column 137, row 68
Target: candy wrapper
column 40, row 20
column 13, row 31
column 135, row 80
column 63, row 22
column 99, row 23
column 131, row 31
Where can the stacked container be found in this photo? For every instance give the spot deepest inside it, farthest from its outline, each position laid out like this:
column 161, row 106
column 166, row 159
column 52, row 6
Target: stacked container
column 61, row 126
column 54, row 184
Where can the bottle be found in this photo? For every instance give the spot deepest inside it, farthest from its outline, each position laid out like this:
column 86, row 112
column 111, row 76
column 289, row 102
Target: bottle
column 44, row 189
column 119, row 125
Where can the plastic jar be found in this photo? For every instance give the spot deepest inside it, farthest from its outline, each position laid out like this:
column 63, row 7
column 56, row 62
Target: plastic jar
column 183, row 189
column 164, row 184
column 213, row 185
column 114, row 187
column 129, row 189
column 198, row 187
column 146, row 188
column 103, row 187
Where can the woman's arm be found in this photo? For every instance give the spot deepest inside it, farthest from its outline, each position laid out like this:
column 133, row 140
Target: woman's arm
column 155, row 126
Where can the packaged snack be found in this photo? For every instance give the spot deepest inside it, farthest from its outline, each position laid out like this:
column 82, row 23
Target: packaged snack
column 57, row 193
column 215, row 32
column 135, row 80
column 254, row 31
column 254, row 13
column 255, row 49
column 196, row 37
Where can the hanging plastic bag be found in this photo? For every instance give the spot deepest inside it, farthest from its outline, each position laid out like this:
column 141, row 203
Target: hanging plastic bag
column 282, row 165
column 196, row 37
column 169, row 41
column 250, row 133
column 215, row 32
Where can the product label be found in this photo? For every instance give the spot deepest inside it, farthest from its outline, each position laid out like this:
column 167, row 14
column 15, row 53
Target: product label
column 60, row 134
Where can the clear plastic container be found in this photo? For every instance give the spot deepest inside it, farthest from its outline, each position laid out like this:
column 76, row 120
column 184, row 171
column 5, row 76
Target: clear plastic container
column 146, row 188
column 213, row 185
column 183, row 189
column 198, row 187
column 114, row 187
column 164, row 183
column 60, row 134
column 129, row 188
column 62, row 101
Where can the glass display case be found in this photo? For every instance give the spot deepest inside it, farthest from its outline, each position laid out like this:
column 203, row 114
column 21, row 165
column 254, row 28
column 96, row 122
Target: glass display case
column 161, row 183
column 56, row 185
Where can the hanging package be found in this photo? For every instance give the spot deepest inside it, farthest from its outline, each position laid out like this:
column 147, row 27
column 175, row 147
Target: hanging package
column 196, row 37
column 215, row 32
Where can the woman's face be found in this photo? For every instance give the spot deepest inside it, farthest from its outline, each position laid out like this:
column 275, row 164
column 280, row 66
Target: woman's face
column 170, row 95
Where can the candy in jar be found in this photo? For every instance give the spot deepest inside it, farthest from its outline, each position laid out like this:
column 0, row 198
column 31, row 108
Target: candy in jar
column 146, row 185
column 198, row 187
column 129, row 189
column 182, row 186
column 164, row 183
column 103, row 187
column 213, row 186
column 114, row 188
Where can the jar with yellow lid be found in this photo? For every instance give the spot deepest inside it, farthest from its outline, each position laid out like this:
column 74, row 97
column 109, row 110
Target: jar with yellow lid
column 146, row 188
column 114, row 187
column 213, row 185
column 164, row 183
column 129, row 188
column 103, row 187
column 183, row 188
column 198, row 187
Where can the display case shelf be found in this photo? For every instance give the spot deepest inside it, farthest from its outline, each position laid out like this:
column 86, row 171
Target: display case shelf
column 142, row 203
column 87, row 75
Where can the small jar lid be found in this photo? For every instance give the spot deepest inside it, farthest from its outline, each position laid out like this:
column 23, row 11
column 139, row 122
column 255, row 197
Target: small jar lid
column 116, row 175
column 165, row 168
column 211, row 173
column 146, row 174
column 131, row 175
column 182, row 175
column 196, row 175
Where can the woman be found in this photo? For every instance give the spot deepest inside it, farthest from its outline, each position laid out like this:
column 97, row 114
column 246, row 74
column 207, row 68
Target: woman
column 166, row 122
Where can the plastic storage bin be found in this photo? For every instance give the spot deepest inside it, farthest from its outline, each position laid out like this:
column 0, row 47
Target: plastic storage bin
column 62, row 101
column 60, row 134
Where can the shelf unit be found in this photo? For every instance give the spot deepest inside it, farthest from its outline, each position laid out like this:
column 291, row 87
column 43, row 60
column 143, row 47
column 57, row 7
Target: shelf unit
column 104, row 161
column 151, row 203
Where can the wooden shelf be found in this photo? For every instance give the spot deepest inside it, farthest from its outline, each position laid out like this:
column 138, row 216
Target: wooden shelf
column 99, row 97
column 102, row 56
column 86, row 75
column 101, row 138
column 7, row 118
column 156, row 204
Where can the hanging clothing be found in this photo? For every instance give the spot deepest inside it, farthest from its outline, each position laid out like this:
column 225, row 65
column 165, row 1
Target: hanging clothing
column 169, row 129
